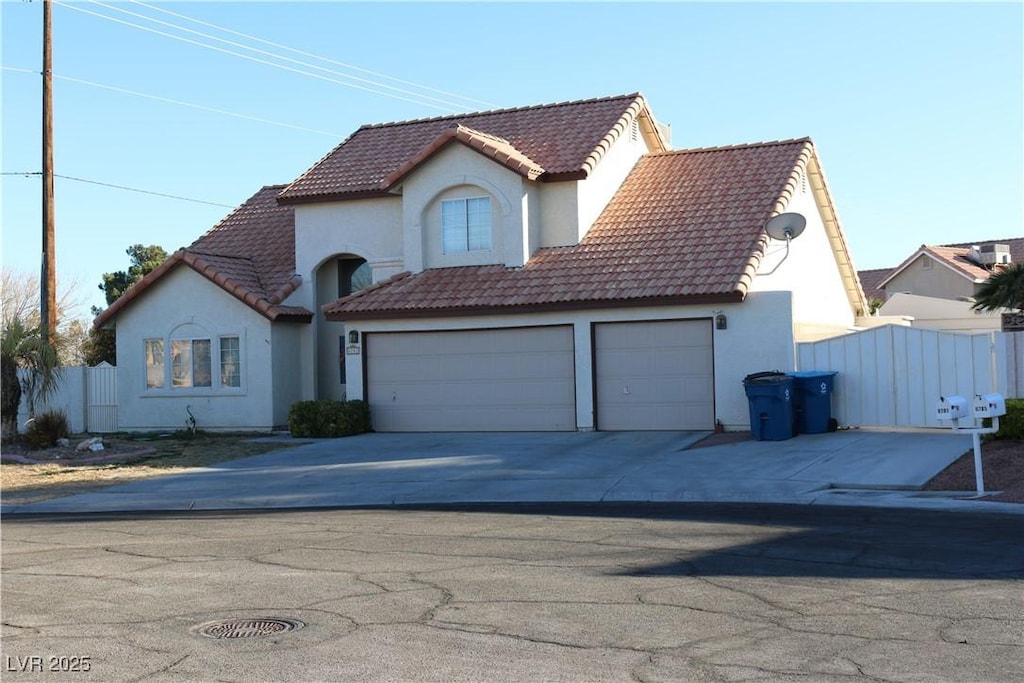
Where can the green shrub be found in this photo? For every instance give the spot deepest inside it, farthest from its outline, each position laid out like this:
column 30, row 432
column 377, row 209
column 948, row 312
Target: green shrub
column 45, row 428
column 328, row 419
column 1011, row 425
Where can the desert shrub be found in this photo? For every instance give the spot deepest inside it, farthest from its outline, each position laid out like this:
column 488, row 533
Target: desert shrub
column 328, row 419
column 1011, row 425
column 45, row 428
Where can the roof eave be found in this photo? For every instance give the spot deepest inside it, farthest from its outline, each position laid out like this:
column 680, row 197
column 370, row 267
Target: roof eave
column 269, row 309
column 110, row 312
column 376, row 193
column 558, row 306
column 837, row 239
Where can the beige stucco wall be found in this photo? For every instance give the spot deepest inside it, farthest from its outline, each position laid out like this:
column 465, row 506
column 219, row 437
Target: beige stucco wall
column 938, row 281
column 186, row 303
column 758, row 337
column 457, row 171
column 945, row 315
column 286, row 352
column 821, row 306
column 367, row 228
column 568, row 209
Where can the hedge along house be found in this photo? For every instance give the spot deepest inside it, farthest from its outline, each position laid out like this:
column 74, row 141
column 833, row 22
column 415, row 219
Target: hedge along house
column 554, row 267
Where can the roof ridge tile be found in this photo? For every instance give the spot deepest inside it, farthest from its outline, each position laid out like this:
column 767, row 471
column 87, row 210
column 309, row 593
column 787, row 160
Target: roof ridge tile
column 739, row 146
column 501, row 110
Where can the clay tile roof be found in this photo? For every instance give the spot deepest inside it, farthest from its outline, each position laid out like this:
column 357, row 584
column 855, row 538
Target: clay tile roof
column 553, row 141
column 870, row 281
column 958, row 258
column 685, row 227
column 490, row 146
column 1016, row 245
column 250, row 254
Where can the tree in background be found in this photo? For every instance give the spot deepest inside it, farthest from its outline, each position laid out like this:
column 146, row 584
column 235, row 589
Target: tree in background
column 19, row 300
column 1005, row 289
column 101, row 345
column 143, row 259
column 23, row 348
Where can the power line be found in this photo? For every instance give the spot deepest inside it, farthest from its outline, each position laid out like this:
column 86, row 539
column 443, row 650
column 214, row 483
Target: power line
column 121, row 187
column 159, row 98
column 197, row 106
column 275, row 55
column 451, row 107
column 315, row 56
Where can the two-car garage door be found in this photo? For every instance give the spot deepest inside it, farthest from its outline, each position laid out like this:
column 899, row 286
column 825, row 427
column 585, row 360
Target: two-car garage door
column 648, row 375
column 519, row 379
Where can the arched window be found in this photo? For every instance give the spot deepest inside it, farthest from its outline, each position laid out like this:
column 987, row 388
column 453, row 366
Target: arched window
column 353, row 275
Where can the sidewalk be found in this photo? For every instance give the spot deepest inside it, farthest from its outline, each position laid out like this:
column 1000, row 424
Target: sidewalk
column 859, row 467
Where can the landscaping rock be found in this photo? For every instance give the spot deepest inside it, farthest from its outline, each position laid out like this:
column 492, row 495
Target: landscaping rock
column 93, row 444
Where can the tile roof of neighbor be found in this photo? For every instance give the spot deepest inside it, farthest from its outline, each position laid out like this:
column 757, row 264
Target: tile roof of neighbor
column 685, row 227
column 958, row 257
column 250, row 254
column 551, row 141
column 870, row 279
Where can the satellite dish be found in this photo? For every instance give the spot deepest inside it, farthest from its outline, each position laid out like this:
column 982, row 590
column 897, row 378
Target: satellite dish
column 785, row 226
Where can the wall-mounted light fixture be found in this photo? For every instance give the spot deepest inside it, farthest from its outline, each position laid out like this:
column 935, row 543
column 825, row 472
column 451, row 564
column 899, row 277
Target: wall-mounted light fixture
column 353, row 337
column 721, row 322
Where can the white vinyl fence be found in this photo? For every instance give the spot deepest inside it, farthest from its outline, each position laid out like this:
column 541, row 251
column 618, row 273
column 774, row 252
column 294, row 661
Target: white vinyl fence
column 1014, row 382
column 892, row 376
column 88, row 396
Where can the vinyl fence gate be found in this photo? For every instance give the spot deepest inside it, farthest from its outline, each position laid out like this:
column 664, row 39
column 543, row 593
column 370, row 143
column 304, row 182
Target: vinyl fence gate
column 892, row 376
column 101, row 399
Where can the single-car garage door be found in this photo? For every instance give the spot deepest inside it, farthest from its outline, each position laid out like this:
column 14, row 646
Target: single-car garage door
column 654, row 375
column 519, row 379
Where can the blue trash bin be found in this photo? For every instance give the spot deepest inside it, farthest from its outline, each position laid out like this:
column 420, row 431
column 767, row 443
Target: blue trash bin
column 770, row 395
column 813, row 405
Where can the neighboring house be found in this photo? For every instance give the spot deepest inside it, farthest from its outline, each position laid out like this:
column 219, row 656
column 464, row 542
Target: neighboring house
column 936, row 285
column 870, row 281
column 553, row 267
column 946, row 315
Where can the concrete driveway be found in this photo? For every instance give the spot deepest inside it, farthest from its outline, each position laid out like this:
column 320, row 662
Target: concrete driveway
column 857, row 467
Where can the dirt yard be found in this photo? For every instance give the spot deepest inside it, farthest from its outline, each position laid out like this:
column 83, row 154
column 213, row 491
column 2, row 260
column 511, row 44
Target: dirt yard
column 30, row 476
column 1003, row 468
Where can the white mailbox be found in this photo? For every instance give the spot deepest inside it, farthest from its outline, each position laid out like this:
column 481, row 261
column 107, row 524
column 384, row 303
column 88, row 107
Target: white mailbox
column 989, row 405
column 951, row 408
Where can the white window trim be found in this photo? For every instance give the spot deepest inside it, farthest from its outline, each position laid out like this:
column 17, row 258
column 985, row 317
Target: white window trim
column 490, row 226
column 215, row 388
column 192, row 362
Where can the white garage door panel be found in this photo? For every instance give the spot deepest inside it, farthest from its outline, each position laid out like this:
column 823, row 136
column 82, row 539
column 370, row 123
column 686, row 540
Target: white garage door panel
column 477, row 380
column 654, row 375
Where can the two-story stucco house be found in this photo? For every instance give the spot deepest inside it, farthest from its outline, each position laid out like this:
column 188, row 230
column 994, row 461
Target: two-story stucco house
column 554, row 267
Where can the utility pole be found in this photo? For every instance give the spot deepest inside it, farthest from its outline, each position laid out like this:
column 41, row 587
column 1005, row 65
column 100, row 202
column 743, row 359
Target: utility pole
column 48, row 279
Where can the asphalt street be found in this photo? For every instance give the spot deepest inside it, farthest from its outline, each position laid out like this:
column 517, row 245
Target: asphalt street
column 586, row 592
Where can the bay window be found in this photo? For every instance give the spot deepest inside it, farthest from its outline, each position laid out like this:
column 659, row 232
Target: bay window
column 191, row 363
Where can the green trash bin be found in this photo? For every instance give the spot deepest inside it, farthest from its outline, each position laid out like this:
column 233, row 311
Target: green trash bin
column 770, row 397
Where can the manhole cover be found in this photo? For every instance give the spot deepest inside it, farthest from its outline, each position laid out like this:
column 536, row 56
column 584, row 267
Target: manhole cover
column 248, row 628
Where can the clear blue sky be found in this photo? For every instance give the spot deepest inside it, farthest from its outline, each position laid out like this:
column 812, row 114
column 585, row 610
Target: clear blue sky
column 916, row 109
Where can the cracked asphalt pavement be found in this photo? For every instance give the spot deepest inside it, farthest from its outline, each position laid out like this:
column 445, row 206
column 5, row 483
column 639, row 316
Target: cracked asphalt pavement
column 518, row 593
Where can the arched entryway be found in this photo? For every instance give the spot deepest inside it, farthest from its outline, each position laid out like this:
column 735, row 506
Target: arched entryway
column 336, row 277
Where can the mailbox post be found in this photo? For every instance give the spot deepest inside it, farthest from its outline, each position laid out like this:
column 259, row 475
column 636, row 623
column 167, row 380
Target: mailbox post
column 954, row 408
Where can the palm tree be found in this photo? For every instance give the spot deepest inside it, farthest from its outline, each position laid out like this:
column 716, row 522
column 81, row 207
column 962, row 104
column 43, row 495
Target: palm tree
column 1004, row 289
column 24, row 349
